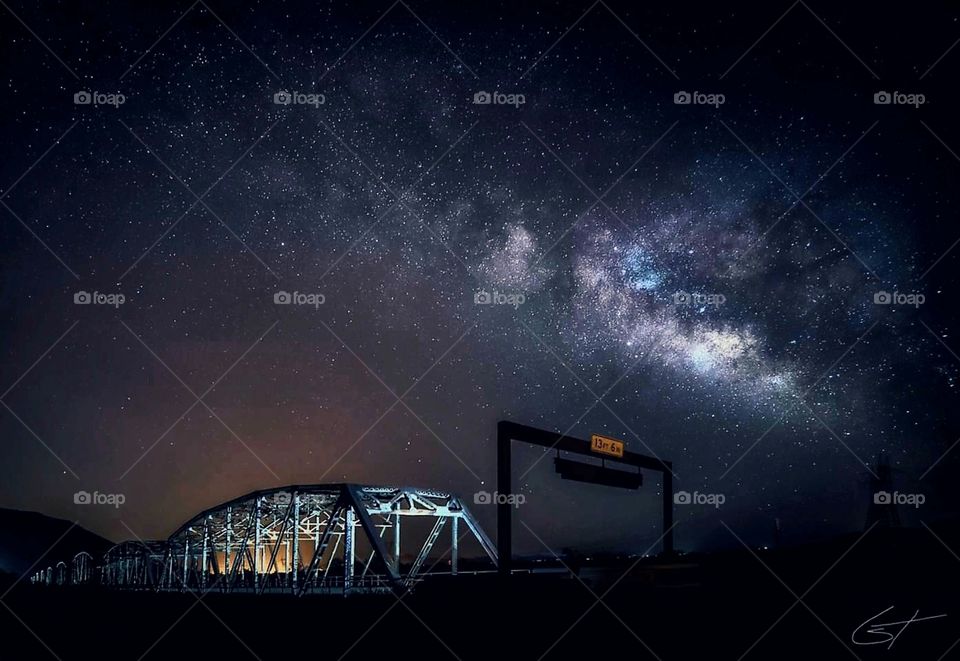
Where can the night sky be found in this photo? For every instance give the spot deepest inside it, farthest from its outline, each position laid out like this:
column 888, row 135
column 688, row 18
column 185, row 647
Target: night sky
column 707, row 272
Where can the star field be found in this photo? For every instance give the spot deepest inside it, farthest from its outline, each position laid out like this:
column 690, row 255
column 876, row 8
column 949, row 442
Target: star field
column 699, row 281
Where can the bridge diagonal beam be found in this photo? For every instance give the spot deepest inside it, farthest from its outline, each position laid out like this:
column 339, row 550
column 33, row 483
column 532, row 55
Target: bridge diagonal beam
column 425, row 550
column 278, row 543
column 390, row 564
column 319, row 549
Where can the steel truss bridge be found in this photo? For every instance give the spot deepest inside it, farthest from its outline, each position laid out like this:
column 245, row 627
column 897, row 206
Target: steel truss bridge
column 300, row 539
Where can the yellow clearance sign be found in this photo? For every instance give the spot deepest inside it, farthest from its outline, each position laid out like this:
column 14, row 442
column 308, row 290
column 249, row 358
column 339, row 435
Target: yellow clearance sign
column 606, row 445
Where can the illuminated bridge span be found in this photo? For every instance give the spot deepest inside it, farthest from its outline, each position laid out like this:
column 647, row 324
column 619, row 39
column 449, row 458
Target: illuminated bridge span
column 297, row 540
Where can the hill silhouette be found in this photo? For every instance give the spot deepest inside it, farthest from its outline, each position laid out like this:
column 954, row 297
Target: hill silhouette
column 30, row 537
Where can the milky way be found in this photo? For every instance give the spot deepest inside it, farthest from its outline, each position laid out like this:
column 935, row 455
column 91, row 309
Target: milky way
column 653, row 255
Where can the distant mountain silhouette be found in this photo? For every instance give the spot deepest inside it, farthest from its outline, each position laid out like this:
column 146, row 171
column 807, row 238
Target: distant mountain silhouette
column 25, row 537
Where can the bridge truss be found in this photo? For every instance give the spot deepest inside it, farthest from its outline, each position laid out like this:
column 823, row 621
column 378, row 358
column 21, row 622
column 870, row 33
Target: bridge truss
column 301, row 539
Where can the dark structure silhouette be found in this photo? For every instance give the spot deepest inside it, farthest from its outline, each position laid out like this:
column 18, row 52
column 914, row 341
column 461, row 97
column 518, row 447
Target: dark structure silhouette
column 507, row 432
column 882, row 509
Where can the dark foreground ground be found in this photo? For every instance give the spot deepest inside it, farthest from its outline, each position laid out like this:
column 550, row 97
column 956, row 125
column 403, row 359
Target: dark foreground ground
column 712, row 607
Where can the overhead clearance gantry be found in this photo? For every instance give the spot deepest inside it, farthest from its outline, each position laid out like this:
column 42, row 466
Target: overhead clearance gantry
column 599, row 446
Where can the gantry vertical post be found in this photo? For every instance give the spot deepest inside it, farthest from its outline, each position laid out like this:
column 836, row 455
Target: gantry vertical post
column 668, row 508
column 504, row 510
